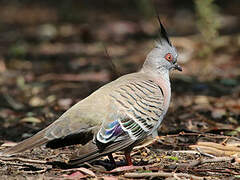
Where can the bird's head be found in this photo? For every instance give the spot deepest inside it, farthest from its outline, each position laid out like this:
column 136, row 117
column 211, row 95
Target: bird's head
column 164, row 56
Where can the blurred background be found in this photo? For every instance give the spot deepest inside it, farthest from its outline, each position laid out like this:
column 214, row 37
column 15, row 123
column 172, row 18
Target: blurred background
column 52, row 54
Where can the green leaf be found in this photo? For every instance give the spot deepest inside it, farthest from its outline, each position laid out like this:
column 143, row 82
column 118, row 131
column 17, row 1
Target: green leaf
column 172, row 158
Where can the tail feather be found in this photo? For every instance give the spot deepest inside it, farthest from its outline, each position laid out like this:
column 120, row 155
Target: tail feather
column 91, row 152
column 27, row 144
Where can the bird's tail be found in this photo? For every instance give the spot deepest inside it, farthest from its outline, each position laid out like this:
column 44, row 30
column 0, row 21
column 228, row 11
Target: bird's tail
column 34, row 141
column 87, row 152
column 91, row 152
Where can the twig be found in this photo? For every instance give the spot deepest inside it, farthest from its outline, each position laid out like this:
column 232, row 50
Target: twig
column 201, row 134
column 217, row 159
column 24, row 160
column 205, row 154
column 225, row 141
column 187, row 152
column 212, row 150
column 10, row 163
column 161, row 174
column 113, row 66
column 176, row 177
column 130, row 168
column 22, row 165
column 219, row 146
column 203, row 161
column 38, row 171
column 219, row 171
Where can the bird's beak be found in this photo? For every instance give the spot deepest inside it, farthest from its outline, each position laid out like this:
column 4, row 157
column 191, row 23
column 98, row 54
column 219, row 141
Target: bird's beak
column 179, row 68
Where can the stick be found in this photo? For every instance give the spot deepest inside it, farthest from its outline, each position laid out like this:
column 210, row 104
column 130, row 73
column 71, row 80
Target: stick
column 24, row 160
column 205, row 154
column 220, row 146
column 161, row 174
column 217, row 159
column 211, row 150
column 113, row 66
column 203, row 161
column 37, row 172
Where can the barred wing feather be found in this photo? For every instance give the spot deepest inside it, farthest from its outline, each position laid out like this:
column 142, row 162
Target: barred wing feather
column 139, row 107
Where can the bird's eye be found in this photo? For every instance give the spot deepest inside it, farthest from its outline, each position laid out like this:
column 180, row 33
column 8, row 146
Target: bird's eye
column 169, row 57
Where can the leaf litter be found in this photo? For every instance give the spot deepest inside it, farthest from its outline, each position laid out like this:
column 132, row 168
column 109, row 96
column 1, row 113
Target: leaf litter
column 198, row 138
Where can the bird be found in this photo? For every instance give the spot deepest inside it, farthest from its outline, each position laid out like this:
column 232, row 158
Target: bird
column 117, row 116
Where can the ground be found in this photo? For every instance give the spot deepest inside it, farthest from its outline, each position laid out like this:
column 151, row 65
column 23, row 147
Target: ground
column 51, row 59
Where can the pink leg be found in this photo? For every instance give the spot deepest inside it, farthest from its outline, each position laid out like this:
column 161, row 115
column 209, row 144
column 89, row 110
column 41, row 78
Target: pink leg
column 128, row 158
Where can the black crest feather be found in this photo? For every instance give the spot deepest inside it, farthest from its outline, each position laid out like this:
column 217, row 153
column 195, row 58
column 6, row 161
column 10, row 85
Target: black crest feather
column 162, row 31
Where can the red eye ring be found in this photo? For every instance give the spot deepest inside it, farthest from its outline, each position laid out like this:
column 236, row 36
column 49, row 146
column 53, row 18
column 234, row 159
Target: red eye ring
column 169, row 57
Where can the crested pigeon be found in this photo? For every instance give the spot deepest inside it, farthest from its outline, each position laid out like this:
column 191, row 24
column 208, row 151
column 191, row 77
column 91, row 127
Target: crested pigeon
column 118, row 115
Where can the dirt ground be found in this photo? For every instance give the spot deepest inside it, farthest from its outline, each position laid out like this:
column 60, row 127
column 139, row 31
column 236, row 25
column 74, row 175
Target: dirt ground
column 52, row 56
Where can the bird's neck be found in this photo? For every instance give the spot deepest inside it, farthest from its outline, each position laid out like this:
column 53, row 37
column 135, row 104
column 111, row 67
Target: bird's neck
column 161, row 73
column 161, row 77
column 164, row 74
